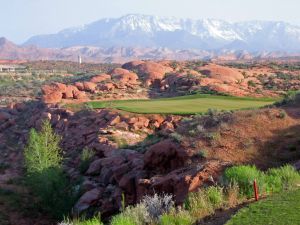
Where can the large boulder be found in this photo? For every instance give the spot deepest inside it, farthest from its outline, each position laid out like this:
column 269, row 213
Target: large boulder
column 87, row 199
column 4, row 116
column 100, row 78
column 124, row 76
column 106, row 87
column 55, row 92
column 165, row 156
column 132, row 65
column 222, row 73
column 152, row 72
column 89, row 86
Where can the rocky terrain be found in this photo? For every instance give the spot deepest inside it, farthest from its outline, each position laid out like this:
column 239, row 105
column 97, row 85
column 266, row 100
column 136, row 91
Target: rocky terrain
column 133, row 155
column 148, row 79
column 136, row 155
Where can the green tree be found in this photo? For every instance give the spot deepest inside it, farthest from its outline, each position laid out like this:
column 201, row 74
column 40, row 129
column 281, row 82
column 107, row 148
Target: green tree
column 42, row 151
column 45, row 176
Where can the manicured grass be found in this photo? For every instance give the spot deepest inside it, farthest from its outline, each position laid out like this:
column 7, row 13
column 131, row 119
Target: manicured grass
column 282, row 209
column 184, row 105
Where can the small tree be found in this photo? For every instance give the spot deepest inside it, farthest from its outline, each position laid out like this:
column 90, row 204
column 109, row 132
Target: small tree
column 45, row 176
column 42, row 151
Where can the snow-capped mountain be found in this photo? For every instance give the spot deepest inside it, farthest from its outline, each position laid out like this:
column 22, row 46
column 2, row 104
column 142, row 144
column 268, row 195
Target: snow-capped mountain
column 150, row 31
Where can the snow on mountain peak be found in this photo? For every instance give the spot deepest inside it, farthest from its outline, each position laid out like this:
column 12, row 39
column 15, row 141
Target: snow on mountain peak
column 153, row 31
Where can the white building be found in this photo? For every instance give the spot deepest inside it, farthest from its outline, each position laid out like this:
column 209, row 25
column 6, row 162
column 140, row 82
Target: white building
column 11, row 68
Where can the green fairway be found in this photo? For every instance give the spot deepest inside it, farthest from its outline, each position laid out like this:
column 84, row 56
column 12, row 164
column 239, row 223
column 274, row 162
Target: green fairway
column 283, row 209
column 183, row 105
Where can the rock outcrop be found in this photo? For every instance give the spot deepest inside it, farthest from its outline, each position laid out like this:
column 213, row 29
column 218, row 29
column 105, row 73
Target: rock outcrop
column 55, row 92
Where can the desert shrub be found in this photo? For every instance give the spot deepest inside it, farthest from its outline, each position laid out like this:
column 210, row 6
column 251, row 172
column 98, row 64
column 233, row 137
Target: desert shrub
column 177, row 217
column 215, row 196
column 202, row 153
column 85, row 159
column 198, row 204
column 232, row 193
column 283, row 178
column 291, row 97
column 176, row 137
column 158, row 205
column 82, row 221
column 251, row 83
column 138, row 214
column 44, row 174
column 122, row 219
column 244, row 176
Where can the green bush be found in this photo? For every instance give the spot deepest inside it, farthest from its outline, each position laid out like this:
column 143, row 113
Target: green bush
column 180, row 217
column 45, row 176
column 283, row 178
column 244, row 176
column 272, row 181
column 93, row 221
column 122, row 219
column 138, row 214
column 85, row 159
column 198, row 204
column 215, row 196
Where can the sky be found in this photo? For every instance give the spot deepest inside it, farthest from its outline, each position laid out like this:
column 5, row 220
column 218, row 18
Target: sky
column 21, row 19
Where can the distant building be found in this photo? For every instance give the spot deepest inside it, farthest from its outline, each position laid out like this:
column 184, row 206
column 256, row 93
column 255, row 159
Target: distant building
column 79, row 60
column 11, row 68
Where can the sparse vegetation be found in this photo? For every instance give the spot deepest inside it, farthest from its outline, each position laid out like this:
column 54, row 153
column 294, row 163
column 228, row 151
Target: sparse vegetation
column 85, row 158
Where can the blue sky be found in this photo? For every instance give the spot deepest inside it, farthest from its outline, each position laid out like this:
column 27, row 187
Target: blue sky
column 21, row 19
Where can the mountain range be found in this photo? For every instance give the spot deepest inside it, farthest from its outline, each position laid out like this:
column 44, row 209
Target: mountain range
column 135, row 36
column 154, row 32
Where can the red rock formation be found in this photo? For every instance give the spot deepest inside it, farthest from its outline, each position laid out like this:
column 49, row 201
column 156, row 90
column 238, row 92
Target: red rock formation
column 124, row 76
column 100, row 78
column 165, row 156
column 54, row 93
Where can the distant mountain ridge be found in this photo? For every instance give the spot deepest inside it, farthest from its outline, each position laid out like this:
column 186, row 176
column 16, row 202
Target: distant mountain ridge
column 145, row 31
column 9, row 50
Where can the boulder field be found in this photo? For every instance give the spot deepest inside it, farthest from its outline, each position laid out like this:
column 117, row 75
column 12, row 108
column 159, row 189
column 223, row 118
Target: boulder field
column 143, row 79
column 135, row 155
column 159, row 166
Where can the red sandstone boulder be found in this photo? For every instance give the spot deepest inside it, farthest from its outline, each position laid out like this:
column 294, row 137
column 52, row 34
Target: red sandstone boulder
column 106, row 87
column 222, row 73
column 124, row 76
column 79, row 95
column 89, row 86
column 132, row 65
column 100, row 78
column 80, row 86
column 95, row 167
column 138, row 122
column 4, row 116
column 54, row 93
column 69, row 91
column 165, row 156
column 88, row 199
column 152, row 72
column 53, row 97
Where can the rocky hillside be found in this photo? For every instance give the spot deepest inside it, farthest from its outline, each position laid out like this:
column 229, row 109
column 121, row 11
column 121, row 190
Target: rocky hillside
column 134, row 155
